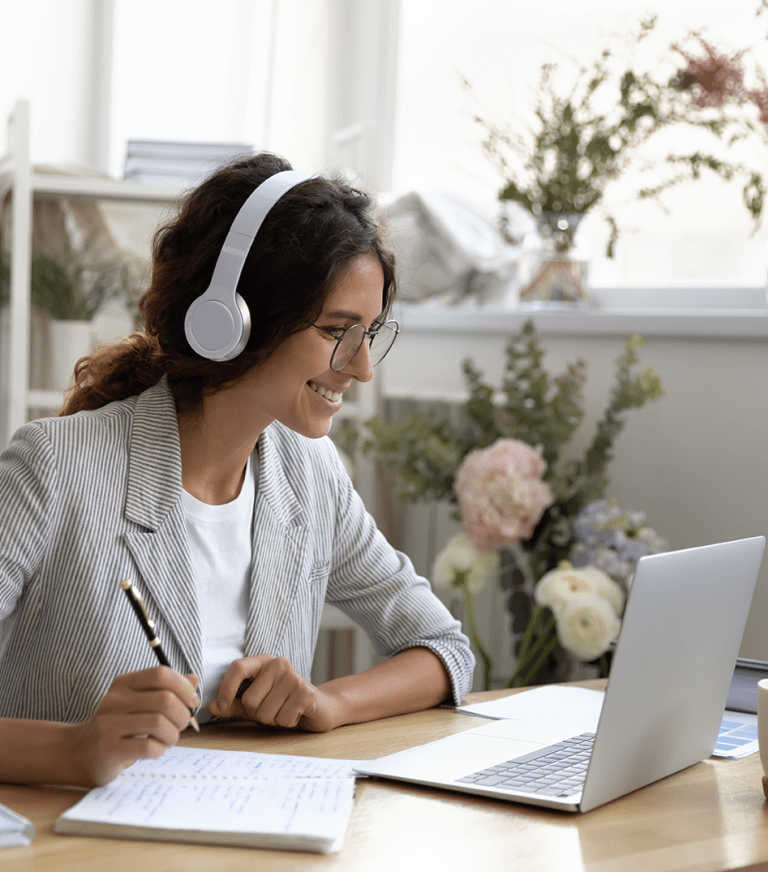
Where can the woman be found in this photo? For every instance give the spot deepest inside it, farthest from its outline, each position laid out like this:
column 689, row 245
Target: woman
column 206, row 483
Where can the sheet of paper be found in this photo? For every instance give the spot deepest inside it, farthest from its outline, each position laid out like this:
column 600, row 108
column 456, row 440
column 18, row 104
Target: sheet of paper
column 552, row 707
column 564, row 705
column 738, row 735
column 194, row 762
column 15, row 829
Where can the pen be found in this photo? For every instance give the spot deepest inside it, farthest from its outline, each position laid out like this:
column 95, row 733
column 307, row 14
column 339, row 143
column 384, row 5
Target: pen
column 244, row 685
column 149, row 628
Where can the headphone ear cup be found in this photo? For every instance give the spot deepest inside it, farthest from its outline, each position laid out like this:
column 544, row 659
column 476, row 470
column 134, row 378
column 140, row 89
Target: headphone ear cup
column 217, row 331
column 218, row 323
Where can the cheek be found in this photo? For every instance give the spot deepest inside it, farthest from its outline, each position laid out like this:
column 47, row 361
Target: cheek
column 306, row 355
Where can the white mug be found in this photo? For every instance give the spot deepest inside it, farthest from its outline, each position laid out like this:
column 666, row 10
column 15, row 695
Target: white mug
column 762, row 728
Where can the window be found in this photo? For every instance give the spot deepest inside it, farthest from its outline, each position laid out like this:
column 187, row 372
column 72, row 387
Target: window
column 705, row 239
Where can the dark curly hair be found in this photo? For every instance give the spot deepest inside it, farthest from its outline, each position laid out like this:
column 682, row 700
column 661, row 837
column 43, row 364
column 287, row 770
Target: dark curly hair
column 307, row 241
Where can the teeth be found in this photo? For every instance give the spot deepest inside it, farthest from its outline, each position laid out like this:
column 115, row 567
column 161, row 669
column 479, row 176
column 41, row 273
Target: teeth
column 333, row 396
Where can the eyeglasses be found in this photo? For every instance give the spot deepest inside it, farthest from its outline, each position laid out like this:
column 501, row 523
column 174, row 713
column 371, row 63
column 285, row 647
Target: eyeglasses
column 381, row 337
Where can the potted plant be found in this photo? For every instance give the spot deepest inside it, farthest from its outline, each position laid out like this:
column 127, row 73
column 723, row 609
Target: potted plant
column 71, row 297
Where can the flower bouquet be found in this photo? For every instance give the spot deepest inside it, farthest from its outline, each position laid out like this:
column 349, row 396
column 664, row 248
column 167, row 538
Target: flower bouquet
column 526, row 505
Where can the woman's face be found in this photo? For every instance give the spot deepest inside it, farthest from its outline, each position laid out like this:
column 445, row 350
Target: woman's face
column 296, row 385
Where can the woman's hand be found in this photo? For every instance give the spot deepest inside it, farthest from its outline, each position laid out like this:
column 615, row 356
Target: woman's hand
column 142, row 714
column 277, row 696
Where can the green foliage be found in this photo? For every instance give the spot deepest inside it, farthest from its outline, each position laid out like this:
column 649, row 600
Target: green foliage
column 75, row 295
column 425, row 451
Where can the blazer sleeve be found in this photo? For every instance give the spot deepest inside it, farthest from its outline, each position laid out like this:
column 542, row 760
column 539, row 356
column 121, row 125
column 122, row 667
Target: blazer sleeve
column 28, row 510
column 378, row 587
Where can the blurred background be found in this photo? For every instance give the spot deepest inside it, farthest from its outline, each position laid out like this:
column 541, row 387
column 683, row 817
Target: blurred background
column 376, row 89
column 370, row 85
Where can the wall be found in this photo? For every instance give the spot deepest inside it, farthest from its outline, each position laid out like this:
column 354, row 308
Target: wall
column 47, row 57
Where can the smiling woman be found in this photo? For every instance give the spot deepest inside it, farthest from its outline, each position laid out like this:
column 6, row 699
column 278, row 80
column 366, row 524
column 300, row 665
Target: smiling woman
column 277, row 389
column 211, row 485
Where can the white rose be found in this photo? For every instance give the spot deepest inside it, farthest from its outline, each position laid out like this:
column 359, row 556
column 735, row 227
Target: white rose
column 461, row 561
column 558, row 587
column 587, row 626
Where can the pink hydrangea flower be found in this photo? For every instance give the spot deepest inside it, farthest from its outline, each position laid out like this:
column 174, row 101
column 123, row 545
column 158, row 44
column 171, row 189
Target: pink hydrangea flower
column 501, row 494
column 714, row 78
column 760, row 99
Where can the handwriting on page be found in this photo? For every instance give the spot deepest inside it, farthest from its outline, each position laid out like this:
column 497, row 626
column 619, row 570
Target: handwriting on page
column 202, row 762
column 268, row 805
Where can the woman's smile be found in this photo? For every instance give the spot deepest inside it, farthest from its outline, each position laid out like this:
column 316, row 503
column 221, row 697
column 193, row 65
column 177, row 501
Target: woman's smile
column 332, row 396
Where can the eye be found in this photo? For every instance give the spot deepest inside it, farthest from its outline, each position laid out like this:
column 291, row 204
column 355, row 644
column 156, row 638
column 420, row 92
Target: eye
column 336, row 332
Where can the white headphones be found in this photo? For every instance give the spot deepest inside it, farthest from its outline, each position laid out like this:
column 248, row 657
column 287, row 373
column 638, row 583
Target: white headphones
column 218, row 323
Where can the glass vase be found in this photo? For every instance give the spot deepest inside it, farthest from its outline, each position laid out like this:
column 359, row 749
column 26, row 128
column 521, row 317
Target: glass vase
column 555, row 263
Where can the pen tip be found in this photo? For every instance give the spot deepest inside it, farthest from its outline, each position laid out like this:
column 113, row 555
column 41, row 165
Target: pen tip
column 125, row 584
column 194, row 724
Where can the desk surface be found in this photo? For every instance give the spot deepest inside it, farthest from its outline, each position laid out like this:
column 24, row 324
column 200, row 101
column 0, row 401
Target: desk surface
column 712, row 816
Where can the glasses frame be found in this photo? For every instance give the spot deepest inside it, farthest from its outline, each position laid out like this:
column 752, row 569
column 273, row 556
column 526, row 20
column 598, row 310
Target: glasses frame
column 372, row 332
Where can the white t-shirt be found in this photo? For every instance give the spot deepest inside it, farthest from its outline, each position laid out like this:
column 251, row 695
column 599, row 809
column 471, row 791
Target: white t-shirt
column 221, row 548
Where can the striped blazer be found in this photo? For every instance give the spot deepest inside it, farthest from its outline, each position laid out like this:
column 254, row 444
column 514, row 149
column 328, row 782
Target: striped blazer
column 92, row 498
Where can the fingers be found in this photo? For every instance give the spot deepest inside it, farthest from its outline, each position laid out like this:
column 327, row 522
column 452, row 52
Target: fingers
column 276, row 696
column 159, row 678
column 146, row 733
column 158, row 692
column 141, row 715
column 243, row 670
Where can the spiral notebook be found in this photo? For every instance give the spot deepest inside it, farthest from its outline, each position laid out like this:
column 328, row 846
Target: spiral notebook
column 238, row 798
column 661, row 712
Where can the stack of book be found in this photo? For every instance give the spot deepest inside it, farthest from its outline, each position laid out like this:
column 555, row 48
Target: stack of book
column 183, row 164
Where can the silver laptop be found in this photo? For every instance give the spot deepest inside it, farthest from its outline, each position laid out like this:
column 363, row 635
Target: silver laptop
column 669, row 681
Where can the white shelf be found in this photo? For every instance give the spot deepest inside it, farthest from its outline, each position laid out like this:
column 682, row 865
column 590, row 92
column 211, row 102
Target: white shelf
column 45, row 184
column 607, row 320
column 24, row 185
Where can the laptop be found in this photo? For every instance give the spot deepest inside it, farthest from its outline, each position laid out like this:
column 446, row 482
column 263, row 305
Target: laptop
column 662, row 708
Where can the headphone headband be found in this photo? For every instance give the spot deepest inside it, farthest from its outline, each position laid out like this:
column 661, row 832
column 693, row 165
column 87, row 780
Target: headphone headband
column 218, row 322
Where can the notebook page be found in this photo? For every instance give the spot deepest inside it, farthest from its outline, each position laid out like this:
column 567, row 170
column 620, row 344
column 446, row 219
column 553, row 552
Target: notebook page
column 178, row 762
column 306, row 807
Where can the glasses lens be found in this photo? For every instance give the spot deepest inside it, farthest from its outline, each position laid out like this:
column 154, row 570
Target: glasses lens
column 383, row 341
column 352, row 338
column 347, row 347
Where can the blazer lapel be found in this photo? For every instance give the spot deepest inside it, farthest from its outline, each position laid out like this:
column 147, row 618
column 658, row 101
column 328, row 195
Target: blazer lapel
column 281, row 556
column 153, row 501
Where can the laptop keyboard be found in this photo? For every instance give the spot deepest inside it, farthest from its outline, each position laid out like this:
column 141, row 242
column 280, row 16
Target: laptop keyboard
column 557, row 770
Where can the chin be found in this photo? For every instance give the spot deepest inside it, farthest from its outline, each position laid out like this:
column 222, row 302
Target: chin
column 311, row 431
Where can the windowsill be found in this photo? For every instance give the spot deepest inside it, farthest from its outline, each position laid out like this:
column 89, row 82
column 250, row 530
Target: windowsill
column 740, row 313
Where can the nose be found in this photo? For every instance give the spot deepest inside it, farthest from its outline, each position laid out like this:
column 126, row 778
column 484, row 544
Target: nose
column 360, row 366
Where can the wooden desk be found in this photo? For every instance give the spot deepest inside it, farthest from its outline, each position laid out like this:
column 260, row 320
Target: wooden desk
column 712, row 816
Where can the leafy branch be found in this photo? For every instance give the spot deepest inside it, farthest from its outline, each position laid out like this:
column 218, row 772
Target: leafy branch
column 424, row 451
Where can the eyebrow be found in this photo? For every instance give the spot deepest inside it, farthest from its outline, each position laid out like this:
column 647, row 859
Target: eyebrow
column 343, row 314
